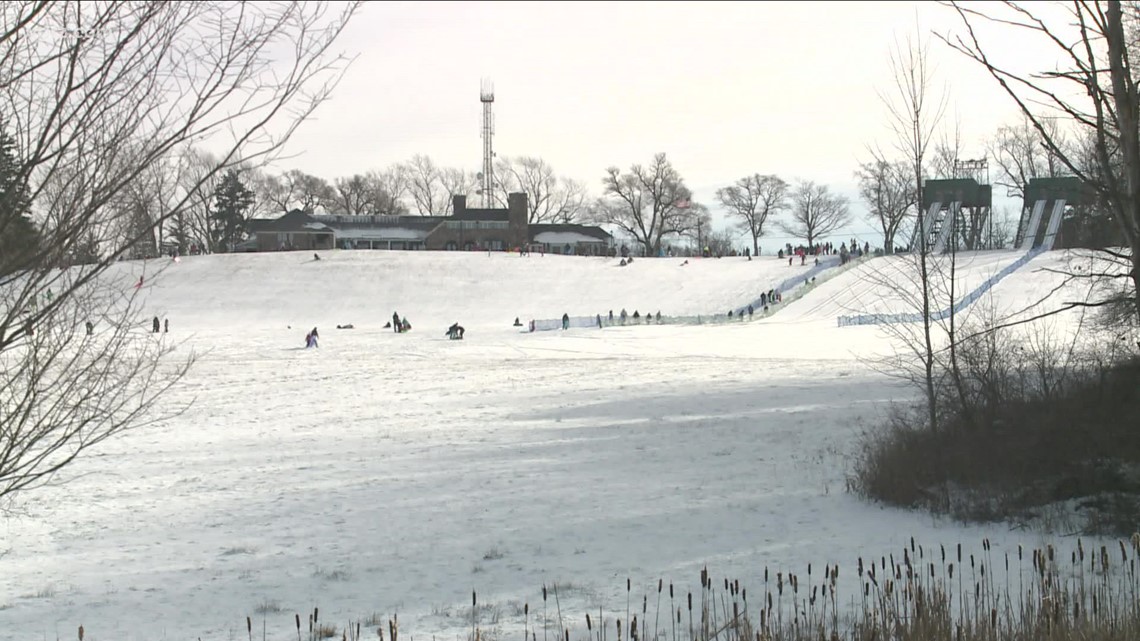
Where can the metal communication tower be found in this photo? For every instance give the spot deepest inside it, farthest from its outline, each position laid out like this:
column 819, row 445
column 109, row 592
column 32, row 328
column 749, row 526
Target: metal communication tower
column 487, row 188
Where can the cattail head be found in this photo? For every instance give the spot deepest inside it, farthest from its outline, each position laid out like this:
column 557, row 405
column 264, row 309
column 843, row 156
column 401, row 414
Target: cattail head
column 544, row 593
column 248, row 625
column 80, row 633
column 589, row 624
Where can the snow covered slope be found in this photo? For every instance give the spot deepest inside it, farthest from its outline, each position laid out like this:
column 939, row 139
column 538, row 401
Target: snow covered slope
column 476, row 289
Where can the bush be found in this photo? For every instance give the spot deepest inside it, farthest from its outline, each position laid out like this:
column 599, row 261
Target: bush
column 1029, row 429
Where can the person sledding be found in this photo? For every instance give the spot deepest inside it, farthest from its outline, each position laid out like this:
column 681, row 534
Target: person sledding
column 405, row 326
column 455, row 332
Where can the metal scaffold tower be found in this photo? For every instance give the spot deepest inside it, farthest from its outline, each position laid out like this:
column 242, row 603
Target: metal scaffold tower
column 487, row 176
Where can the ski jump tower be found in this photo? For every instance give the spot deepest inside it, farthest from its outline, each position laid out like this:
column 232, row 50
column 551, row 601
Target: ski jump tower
column 1046, row 195
column 942, row 205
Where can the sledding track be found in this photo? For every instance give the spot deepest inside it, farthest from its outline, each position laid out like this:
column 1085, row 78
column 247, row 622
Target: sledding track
column 888, row 285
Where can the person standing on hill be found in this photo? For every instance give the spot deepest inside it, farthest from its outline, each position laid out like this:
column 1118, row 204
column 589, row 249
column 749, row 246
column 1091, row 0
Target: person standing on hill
column 566, row 321
column 395, row 322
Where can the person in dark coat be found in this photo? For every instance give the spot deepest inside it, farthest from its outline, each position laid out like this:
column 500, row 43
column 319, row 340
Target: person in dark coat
column 395, row 322
column 155, row 325
column 566, row 321
column 455, row 332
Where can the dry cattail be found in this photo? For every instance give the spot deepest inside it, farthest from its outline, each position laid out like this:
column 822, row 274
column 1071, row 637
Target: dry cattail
column 80, row 633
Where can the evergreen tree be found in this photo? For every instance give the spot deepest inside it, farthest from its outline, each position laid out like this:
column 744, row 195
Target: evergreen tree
column 20, row 240
column 232, row 202
column 180, row 232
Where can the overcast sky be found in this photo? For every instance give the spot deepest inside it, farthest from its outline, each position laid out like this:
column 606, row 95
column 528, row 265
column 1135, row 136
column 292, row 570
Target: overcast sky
column 725, row 89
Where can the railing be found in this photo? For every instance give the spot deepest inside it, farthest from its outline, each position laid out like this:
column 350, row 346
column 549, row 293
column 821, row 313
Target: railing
column 788, row 285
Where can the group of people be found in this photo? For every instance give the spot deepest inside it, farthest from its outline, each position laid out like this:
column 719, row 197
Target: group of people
column 400, row 325
column 625, row 317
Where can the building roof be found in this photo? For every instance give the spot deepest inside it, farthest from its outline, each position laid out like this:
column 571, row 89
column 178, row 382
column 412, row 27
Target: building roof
column 568, row 230
column 294, row 222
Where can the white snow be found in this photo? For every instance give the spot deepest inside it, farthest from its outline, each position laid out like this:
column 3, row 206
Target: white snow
column 396, row 473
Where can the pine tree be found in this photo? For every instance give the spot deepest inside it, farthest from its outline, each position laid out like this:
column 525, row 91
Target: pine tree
column 20, row 240
column 180, row 232
column 232, row 202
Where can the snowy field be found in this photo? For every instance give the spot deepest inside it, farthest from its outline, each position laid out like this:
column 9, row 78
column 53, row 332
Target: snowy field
column 386, row 473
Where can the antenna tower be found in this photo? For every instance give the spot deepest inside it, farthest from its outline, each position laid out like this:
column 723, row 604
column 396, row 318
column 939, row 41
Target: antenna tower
column 487, row 97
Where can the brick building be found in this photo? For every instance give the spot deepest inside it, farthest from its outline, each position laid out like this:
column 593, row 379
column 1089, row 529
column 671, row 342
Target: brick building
column 466, row 229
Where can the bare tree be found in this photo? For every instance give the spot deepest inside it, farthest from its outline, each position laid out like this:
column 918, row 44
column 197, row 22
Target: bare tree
column 367, row 195
column 649, row 203
column 752, row 200
column 390, row 187
column 424, row 186
column 914, row 115
column 96, row 94
column 455, row 182
column 353, row 196
column 1020, row 154
column 1094, row 90
column 886, row 189
column 549, row 198
column 198, row 177
column 815, row 212
column 701, row 228
column 296, row 189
